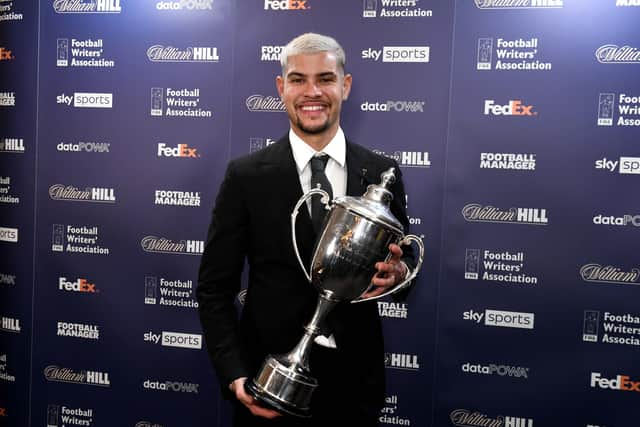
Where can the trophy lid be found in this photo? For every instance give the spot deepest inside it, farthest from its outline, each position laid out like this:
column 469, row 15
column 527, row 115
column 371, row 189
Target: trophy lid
column 374, row 204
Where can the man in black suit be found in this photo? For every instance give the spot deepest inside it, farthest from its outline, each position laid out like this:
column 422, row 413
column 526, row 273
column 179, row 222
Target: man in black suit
column 251, row 221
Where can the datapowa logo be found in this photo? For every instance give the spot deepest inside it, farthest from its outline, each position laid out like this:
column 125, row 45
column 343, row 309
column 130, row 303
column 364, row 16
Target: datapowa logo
column 185, row 5
column 394, row 106
column 175, row 386
column 494, row 369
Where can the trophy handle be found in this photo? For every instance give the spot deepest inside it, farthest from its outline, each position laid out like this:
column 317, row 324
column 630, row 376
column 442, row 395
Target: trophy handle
column 406, row 240
column 294, row 215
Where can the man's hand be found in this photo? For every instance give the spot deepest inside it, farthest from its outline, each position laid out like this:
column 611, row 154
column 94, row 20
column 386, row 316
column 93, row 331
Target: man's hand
column 389, row 274
column 237, row 387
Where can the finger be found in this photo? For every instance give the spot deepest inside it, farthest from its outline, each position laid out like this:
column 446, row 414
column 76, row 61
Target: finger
column 384, row 282
column 396, row 251
column 374, row 292
column 263, row 412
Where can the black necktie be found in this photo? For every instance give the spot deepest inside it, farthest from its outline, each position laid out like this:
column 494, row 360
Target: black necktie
column 319, row 179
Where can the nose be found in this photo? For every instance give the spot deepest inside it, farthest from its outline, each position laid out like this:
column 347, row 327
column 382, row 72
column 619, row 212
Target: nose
column 312, row 89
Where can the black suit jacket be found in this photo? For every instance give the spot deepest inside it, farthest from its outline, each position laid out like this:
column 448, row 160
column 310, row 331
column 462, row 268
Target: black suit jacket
column 251, row 221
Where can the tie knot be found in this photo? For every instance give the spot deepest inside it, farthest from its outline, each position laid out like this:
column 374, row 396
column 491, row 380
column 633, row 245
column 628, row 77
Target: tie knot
column 319, row 162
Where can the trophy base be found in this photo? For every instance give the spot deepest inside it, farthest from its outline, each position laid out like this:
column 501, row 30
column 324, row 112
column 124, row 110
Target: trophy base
column 271, row 402
column 283, row 387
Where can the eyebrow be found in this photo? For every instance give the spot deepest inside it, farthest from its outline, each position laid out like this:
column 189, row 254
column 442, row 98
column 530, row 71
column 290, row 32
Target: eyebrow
column 325, row 74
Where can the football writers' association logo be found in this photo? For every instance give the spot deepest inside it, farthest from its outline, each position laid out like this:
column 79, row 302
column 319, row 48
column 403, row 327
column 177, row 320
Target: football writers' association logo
column 156, row 101
column 605, row 109
column 57, row 241
column 370, row 8
column 150, row 290
column 52, row 415
column 62, row 53
column 485, row 49
column 590, row 326
column 472, row 264
column 257, row 144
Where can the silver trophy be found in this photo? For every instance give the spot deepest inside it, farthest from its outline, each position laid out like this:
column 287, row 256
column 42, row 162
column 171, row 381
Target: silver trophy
column 356, row 234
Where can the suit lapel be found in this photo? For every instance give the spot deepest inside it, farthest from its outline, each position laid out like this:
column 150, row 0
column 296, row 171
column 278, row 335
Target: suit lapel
column 289, row 191
column 359, row 172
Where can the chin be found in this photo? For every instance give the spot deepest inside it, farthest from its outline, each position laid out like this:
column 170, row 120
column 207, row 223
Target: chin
column 313, row 130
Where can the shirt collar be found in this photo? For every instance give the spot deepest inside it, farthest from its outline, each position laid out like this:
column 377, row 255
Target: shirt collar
column 302, row 152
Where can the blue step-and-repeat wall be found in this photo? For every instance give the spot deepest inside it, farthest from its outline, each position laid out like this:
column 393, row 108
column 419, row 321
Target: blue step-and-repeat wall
column 516, row 125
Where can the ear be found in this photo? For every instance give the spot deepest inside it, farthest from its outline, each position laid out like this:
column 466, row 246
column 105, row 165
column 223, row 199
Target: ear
column 346, row 86
column 280, row 85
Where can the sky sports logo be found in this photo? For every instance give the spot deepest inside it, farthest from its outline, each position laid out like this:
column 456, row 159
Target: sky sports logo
column 502, row 319
column 86, row 100
column 174, row 339
column 624, row 165
column 8, row 234
column 397, row 54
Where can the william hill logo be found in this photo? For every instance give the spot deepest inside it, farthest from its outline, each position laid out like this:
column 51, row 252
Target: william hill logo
column 87, row 6
column 10, row 324
column 531, row 216
column 89, row 194
column 614, row 54
column 519, row 4
column 401, row 361
column 167, row 246
column 66, row 375
column 411, row 159
column 609, row 274
column 261, row 103
column 161, row 53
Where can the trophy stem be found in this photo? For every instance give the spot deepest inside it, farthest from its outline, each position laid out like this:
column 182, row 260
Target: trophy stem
column 284, row 382
column 300, row 353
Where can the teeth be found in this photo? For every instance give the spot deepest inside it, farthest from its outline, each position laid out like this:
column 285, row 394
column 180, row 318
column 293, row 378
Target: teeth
column 312, row 108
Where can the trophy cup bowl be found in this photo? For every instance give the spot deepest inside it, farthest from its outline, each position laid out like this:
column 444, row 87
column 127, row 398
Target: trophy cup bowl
column 356, row 234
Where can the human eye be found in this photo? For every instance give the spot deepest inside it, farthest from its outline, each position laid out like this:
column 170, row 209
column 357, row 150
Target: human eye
column 328, row 78
column 295, row 79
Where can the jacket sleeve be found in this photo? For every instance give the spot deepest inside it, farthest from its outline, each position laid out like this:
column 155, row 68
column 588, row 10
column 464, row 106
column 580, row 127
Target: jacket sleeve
column 219, row 281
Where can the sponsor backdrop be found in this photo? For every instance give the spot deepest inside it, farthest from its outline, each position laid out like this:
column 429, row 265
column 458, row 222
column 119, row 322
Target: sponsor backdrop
column 514, row 123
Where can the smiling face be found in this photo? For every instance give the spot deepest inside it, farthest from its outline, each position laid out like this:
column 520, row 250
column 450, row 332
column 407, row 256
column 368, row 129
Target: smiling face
column 313, row 88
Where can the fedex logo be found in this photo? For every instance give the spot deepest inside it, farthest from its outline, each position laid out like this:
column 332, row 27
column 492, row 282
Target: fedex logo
column 181, row 150
column 79, row 285
column 513, row 108
column 5, row 54
column 620, row 383
column 285, row 5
